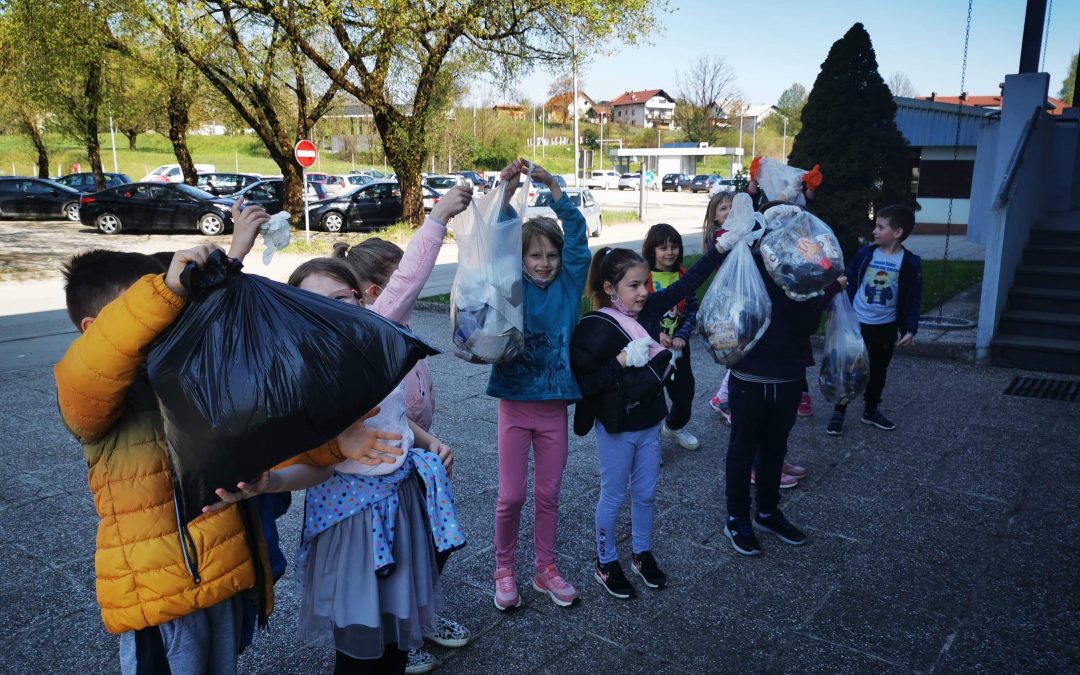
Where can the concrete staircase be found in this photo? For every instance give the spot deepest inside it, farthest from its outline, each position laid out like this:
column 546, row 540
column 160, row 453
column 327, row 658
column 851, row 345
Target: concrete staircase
column 1040, row 327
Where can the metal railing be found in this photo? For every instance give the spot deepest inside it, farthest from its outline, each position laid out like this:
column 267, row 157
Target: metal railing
column 1017, row 159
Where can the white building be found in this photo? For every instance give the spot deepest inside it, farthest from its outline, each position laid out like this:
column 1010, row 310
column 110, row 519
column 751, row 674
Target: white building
column 752, row 116
column 652, row 108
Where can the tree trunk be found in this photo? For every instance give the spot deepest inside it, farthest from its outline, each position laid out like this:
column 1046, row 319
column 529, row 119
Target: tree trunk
column 179, row 120
column 31, row 129
column 407, row 158
column 93, row 103
column 133, row 137
column 293, row 185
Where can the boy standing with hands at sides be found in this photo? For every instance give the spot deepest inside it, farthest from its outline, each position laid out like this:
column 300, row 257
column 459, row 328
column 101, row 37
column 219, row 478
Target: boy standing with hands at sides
column 886, row 292
column 175, row 602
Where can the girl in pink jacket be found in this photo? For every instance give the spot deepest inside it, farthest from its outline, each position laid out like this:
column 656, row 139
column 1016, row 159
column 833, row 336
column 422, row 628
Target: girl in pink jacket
column 390, row 283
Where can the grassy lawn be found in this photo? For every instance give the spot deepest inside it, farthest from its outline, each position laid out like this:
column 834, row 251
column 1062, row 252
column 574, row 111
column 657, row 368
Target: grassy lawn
column 615, row 217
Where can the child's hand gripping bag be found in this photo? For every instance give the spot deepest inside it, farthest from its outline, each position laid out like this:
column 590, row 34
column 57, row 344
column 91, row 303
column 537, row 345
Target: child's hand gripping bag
column 487, row 297
column 254, row 372
column 801, row 253
column 780, row 181
column 736, row 310
column 845, row 364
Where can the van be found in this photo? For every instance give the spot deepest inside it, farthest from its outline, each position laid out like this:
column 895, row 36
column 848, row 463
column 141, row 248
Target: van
column 171, row 173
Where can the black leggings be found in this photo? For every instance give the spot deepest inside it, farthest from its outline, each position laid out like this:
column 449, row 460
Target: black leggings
column 393, row 660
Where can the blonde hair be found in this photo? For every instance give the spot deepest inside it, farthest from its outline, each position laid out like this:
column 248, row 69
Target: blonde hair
column 709, row 225
column 373, row 260
column 541, row 227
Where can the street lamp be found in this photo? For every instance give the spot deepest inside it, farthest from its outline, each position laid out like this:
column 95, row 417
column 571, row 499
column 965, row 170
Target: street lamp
column 783, row 148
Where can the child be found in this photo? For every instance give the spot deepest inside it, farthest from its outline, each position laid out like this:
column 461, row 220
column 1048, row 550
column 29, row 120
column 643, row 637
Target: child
column 663, row 250
column 887, row 299
column 390, row 281
column 712, row 227
column 621, row 372
column 369, row 576
column 534, row 389
column 153, row 593
column 765, row 389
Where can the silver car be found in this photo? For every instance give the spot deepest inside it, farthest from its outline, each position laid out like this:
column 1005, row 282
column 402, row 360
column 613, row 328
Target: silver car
column 582, row 198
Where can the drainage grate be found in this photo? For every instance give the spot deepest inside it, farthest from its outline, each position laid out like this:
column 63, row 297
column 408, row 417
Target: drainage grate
column 1041, row 387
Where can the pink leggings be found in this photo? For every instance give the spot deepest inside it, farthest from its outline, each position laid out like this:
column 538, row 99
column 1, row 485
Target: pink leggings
column 542, row 425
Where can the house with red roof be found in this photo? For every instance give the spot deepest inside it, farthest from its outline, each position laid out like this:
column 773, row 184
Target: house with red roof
column 650, row 108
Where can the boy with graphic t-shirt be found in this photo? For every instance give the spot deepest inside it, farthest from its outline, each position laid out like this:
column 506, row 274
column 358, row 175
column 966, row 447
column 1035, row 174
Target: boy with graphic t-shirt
column 886, row 292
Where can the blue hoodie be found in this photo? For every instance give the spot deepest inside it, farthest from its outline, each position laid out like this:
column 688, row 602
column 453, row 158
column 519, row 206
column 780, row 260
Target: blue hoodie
column 541, row 372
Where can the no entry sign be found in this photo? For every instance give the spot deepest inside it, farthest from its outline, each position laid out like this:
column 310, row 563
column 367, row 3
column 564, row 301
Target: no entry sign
column 306, row 153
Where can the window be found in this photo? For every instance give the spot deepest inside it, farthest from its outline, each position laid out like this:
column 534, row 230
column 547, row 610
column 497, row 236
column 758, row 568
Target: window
column 9, row 186
column 945, row 179
column 33, row 187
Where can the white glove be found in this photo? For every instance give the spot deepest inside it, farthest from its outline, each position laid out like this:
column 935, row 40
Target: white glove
column 727, row 240
column 637, row 352
column 276, row 234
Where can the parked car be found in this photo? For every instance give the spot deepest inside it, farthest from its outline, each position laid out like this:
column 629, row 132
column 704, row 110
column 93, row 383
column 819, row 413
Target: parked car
column 704, row 182
column 355, row 180
column 605, row 180
column 725, row 185
column 84, row 182
column 676, row 182
column 630, row 181
column 442, row 183
column 222, row 184
column 431, row 198
column 374, row 205
column 171, row 173
column 316, row 176
column 270, row 194
column 478, row 181
column 579, row 197
column 156, row 206
column 37, row 198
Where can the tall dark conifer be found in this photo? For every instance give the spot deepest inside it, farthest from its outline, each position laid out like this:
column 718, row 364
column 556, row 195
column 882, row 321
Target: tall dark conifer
column 849, row 128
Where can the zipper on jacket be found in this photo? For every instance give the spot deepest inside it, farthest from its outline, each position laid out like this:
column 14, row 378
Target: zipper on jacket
column 187, row 544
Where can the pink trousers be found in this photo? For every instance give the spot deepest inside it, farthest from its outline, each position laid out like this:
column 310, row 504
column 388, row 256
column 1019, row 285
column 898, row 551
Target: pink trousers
column 540, row 425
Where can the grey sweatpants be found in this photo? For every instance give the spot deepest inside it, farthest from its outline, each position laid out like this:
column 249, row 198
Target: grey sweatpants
column 204, row 642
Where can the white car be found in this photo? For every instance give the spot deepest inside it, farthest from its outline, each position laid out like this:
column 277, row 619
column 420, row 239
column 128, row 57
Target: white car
column 605, row 180
column 442, row 183
column 171, row 173
column 630, row 181
column 582, row 198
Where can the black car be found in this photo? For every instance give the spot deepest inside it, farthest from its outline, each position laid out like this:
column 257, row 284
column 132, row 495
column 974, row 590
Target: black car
column 156, row 206
column 270, row 194
column 375, row 205
column 704, row 182
column 37, row 198
column 84, row 182
column 677, row 182
column 222, row 184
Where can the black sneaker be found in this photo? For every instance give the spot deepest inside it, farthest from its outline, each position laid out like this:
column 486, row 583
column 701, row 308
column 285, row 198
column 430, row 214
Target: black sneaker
column 645, row 565
column 878, row 420
column 836, row 424
column 611, row 577
column 742, row 536
column 777, row 524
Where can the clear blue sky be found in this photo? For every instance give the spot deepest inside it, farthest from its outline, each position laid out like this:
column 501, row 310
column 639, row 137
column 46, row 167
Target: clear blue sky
column 773, row 44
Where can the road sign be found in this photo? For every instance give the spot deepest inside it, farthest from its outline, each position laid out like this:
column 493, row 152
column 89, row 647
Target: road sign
column 306, row 153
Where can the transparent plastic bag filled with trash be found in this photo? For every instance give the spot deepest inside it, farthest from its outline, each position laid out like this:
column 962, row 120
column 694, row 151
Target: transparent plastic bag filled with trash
column 487, row 297
column 736, row 309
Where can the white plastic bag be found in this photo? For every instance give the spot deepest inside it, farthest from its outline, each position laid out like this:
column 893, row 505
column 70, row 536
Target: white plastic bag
column 801, row 253
column 780, row 181
column 736, row 310
column 486, row 300
column 845, row 364
column 276, row 234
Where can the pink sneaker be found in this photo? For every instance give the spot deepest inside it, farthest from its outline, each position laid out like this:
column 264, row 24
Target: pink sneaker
column 787, row 481
column 548, row 580
column 506, row 592
column 795, row 471
column 806, row 408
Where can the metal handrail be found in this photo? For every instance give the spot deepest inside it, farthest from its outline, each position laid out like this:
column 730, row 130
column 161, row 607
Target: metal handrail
column 1017, row 158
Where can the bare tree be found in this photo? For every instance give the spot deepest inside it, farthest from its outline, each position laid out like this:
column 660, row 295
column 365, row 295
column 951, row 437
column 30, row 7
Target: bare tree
column 900, row 85
column 706, row 92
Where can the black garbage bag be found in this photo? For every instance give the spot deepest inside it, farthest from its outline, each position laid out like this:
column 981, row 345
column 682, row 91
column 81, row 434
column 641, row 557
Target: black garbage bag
column 254, row 372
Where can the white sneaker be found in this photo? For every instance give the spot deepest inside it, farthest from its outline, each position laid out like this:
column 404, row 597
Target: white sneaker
column 683, row 437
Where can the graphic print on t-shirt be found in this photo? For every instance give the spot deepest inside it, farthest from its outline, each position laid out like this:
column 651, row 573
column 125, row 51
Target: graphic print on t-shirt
column 879, row 289
column 670, row 321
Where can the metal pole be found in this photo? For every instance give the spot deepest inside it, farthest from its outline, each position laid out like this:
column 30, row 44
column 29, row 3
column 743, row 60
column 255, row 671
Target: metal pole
column 741, row 110
column 307, row 217
column 783, row 148
column 641, row 190
column 1030, row 46
column 753, row 142
column 534, row 133
column 573, row 52
column 543, row 132
column 112, row 134
column 602, row 144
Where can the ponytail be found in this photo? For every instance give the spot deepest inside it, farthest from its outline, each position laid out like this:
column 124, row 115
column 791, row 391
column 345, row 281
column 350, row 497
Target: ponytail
column 609, row 265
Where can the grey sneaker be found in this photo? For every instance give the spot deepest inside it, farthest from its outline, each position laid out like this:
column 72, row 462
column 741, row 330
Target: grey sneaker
column 878, row 420
column 421, row 661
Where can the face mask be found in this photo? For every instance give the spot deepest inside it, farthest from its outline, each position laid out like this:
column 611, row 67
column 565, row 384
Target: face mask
column 618, row 304
column 541, row 284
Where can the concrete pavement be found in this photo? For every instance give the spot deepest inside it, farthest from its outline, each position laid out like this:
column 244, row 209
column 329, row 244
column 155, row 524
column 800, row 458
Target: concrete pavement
column 945, row 546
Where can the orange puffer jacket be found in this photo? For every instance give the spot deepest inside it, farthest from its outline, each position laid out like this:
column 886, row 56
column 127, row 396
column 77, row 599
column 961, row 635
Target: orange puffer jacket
column 144, row 575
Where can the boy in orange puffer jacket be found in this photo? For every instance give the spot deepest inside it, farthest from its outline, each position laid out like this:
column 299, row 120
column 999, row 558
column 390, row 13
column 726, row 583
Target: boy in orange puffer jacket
column 176, row 602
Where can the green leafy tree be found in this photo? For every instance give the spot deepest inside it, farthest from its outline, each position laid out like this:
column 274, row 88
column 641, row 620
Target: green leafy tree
column 22, row 107
column 389, row 54
column 1068, row 85
column 849, row 128
column 790, row 104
